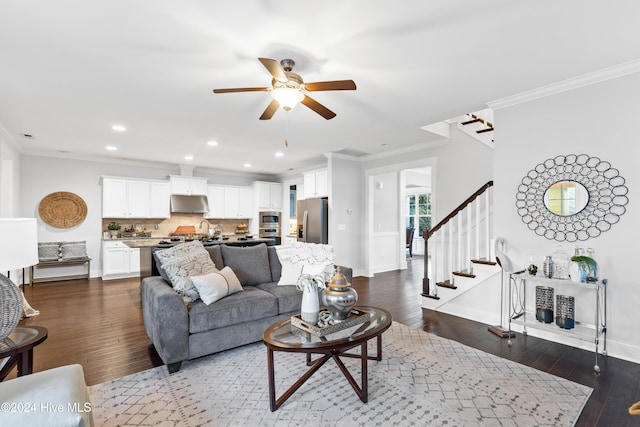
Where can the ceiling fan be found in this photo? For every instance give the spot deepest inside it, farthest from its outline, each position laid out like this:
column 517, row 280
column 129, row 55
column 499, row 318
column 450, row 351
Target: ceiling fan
column 288, row 89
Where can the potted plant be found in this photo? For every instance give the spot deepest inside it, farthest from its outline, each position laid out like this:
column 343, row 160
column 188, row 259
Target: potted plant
column 113, row 227
column 588, row 268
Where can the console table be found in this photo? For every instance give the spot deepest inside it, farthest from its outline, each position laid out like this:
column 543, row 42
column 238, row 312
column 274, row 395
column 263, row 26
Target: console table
column 583, row 330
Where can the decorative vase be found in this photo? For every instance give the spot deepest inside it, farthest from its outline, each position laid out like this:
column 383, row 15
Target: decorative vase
column 544, row 304
column 310, row 307
column 547, row 267
column 339, row 297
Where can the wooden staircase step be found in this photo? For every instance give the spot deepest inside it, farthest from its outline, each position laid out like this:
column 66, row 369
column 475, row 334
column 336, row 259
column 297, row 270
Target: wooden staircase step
column 446, row 284
column 484, row 130
column 464, row 274
column 475, row 120
column 483, row 262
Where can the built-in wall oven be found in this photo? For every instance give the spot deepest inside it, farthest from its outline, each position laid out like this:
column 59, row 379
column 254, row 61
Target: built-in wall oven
column 269, row 227
column 269, row 219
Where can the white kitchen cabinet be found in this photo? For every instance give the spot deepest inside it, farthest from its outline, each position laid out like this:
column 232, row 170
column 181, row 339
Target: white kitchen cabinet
column 188, row 185
column 316, row 184
column 215, row 197
column 230, row 202
column 245, row 204
column 160, row 203
column 135, row 198
column 268, row 195
column 124, row 198
column 119, row 260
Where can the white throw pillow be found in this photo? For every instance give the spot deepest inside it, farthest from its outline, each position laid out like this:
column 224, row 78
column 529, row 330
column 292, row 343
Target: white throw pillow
column 217, row 285
column 305, row 258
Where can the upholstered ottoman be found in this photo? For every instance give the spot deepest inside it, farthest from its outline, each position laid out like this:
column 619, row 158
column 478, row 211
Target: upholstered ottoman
column 56, row 397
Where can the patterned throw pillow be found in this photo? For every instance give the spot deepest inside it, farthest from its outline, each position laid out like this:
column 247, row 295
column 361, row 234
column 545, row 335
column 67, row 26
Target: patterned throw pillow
column 73, row 250
column 309, row 258
column 48, row 251
column 183, row 261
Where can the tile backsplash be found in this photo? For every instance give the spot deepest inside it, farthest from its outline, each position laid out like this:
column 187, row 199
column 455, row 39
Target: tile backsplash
column 169, row 225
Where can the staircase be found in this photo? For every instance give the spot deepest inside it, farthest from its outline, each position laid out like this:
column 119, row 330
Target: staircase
column 479, row 125
column 458, row 250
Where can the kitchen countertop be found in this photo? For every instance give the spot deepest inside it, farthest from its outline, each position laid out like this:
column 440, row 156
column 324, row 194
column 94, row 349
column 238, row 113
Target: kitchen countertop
column 155, row 242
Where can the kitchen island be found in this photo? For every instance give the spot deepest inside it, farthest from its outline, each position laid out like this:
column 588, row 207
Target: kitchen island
column 147, row 267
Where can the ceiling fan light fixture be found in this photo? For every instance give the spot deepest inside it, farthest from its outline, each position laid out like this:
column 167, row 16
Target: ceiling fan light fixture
column 287, row 97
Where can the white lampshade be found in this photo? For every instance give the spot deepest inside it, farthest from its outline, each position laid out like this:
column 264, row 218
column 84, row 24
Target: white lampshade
column 287, row 97
column 18, row 243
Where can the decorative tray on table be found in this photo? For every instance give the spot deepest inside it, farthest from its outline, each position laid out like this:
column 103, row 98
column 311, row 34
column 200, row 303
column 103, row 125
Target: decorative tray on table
column 356, row 317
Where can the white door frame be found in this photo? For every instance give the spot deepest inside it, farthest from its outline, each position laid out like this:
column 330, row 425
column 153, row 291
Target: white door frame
column 369, row 195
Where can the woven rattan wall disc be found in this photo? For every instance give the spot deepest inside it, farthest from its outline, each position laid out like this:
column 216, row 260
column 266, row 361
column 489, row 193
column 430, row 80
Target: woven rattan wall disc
column 62, row 209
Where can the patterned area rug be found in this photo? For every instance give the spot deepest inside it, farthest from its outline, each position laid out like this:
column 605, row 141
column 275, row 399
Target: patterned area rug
column 422, row 380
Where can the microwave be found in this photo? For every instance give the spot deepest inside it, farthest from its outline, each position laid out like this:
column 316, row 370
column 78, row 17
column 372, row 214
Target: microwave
column 270, row 219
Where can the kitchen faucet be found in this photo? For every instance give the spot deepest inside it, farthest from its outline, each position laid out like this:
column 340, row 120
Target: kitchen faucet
column 206, row 222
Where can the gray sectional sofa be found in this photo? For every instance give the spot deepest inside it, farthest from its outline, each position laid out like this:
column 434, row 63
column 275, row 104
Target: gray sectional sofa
column 182, row 331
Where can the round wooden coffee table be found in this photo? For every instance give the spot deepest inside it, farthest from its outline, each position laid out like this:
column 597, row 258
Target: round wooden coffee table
column 18, row 347
column 283, row 336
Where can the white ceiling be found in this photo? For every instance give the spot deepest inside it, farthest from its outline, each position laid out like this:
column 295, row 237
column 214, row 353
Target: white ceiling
column 70, row 69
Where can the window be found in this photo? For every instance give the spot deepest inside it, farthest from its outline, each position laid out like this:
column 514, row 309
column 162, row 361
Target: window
column 419, row 212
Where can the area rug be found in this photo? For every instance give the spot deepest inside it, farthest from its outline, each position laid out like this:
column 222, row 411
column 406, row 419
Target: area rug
column 422, row 380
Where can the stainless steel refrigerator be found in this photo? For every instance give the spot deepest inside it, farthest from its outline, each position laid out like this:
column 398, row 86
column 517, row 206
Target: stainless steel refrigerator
column 313, row 220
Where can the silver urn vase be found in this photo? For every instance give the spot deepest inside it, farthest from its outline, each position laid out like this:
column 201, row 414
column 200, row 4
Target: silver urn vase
column 339, row 297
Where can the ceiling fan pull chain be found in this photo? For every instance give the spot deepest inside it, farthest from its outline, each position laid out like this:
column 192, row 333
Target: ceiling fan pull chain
column 286, row 129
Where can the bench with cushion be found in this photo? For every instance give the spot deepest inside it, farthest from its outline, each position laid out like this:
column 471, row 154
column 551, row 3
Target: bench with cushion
column 59, row 254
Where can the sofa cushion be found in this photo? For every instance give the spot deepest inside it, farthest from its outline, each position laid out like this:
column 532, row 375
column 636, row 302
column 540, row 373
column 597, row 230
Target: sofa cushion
column 249, row 305
column 274, row 263
column 289, row 297
column 216, row 255
column 217, row 285
column 250, row 263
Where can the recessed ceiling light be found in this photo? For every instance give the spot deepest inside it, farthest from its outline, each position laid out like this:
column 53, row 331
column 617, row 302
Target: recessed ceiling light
column 279, row 154
column 118, row 128
column 189, row 157
column 247, row 165
column 212, row 143
column 112, row 148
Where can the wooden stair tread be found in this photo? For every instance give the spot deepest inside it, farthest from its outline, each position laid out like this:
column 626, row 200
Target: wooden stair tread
column 446, row 284
column 484, row 130
column 464, row 274
column 484, row 262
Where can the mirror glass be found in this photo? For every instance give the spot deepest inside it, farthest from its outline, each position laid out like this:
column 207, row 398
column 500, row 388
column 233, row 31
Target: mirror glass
column 566, row 198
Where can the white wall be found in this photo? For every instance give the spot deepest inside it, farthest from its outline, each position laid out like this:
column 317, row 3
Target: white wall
column 346, row 211
column 10, row 162
column 599, row 120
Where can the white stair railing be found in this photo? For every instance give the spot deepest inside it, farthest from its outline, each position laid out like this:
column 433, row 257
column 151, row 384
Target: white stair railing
column 462, row 235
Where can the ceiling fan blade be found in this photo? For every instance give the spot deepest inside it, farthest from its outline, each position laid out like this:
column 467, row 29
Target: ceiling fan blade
column 242, row 89
column 331, row 85
column 275, row 69
column 318, row 108
column 270, row 110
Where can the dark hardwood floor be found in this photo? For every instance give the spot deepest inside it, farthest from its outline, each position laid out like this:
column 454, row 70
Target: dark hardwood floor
column 99, row 325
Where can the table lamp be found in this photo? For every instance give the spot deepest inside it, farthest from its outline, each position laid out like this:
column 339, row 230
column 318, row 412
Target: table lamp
column 19, row 249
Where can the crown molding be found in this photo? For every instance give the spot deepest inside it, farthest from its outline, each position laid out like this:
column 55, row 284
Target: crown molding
column 604, row 74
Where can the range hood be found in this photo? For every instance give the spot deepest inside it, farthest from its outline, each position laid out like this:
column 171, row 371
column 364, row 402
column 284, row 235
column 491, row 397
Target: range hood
column 189, row 204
